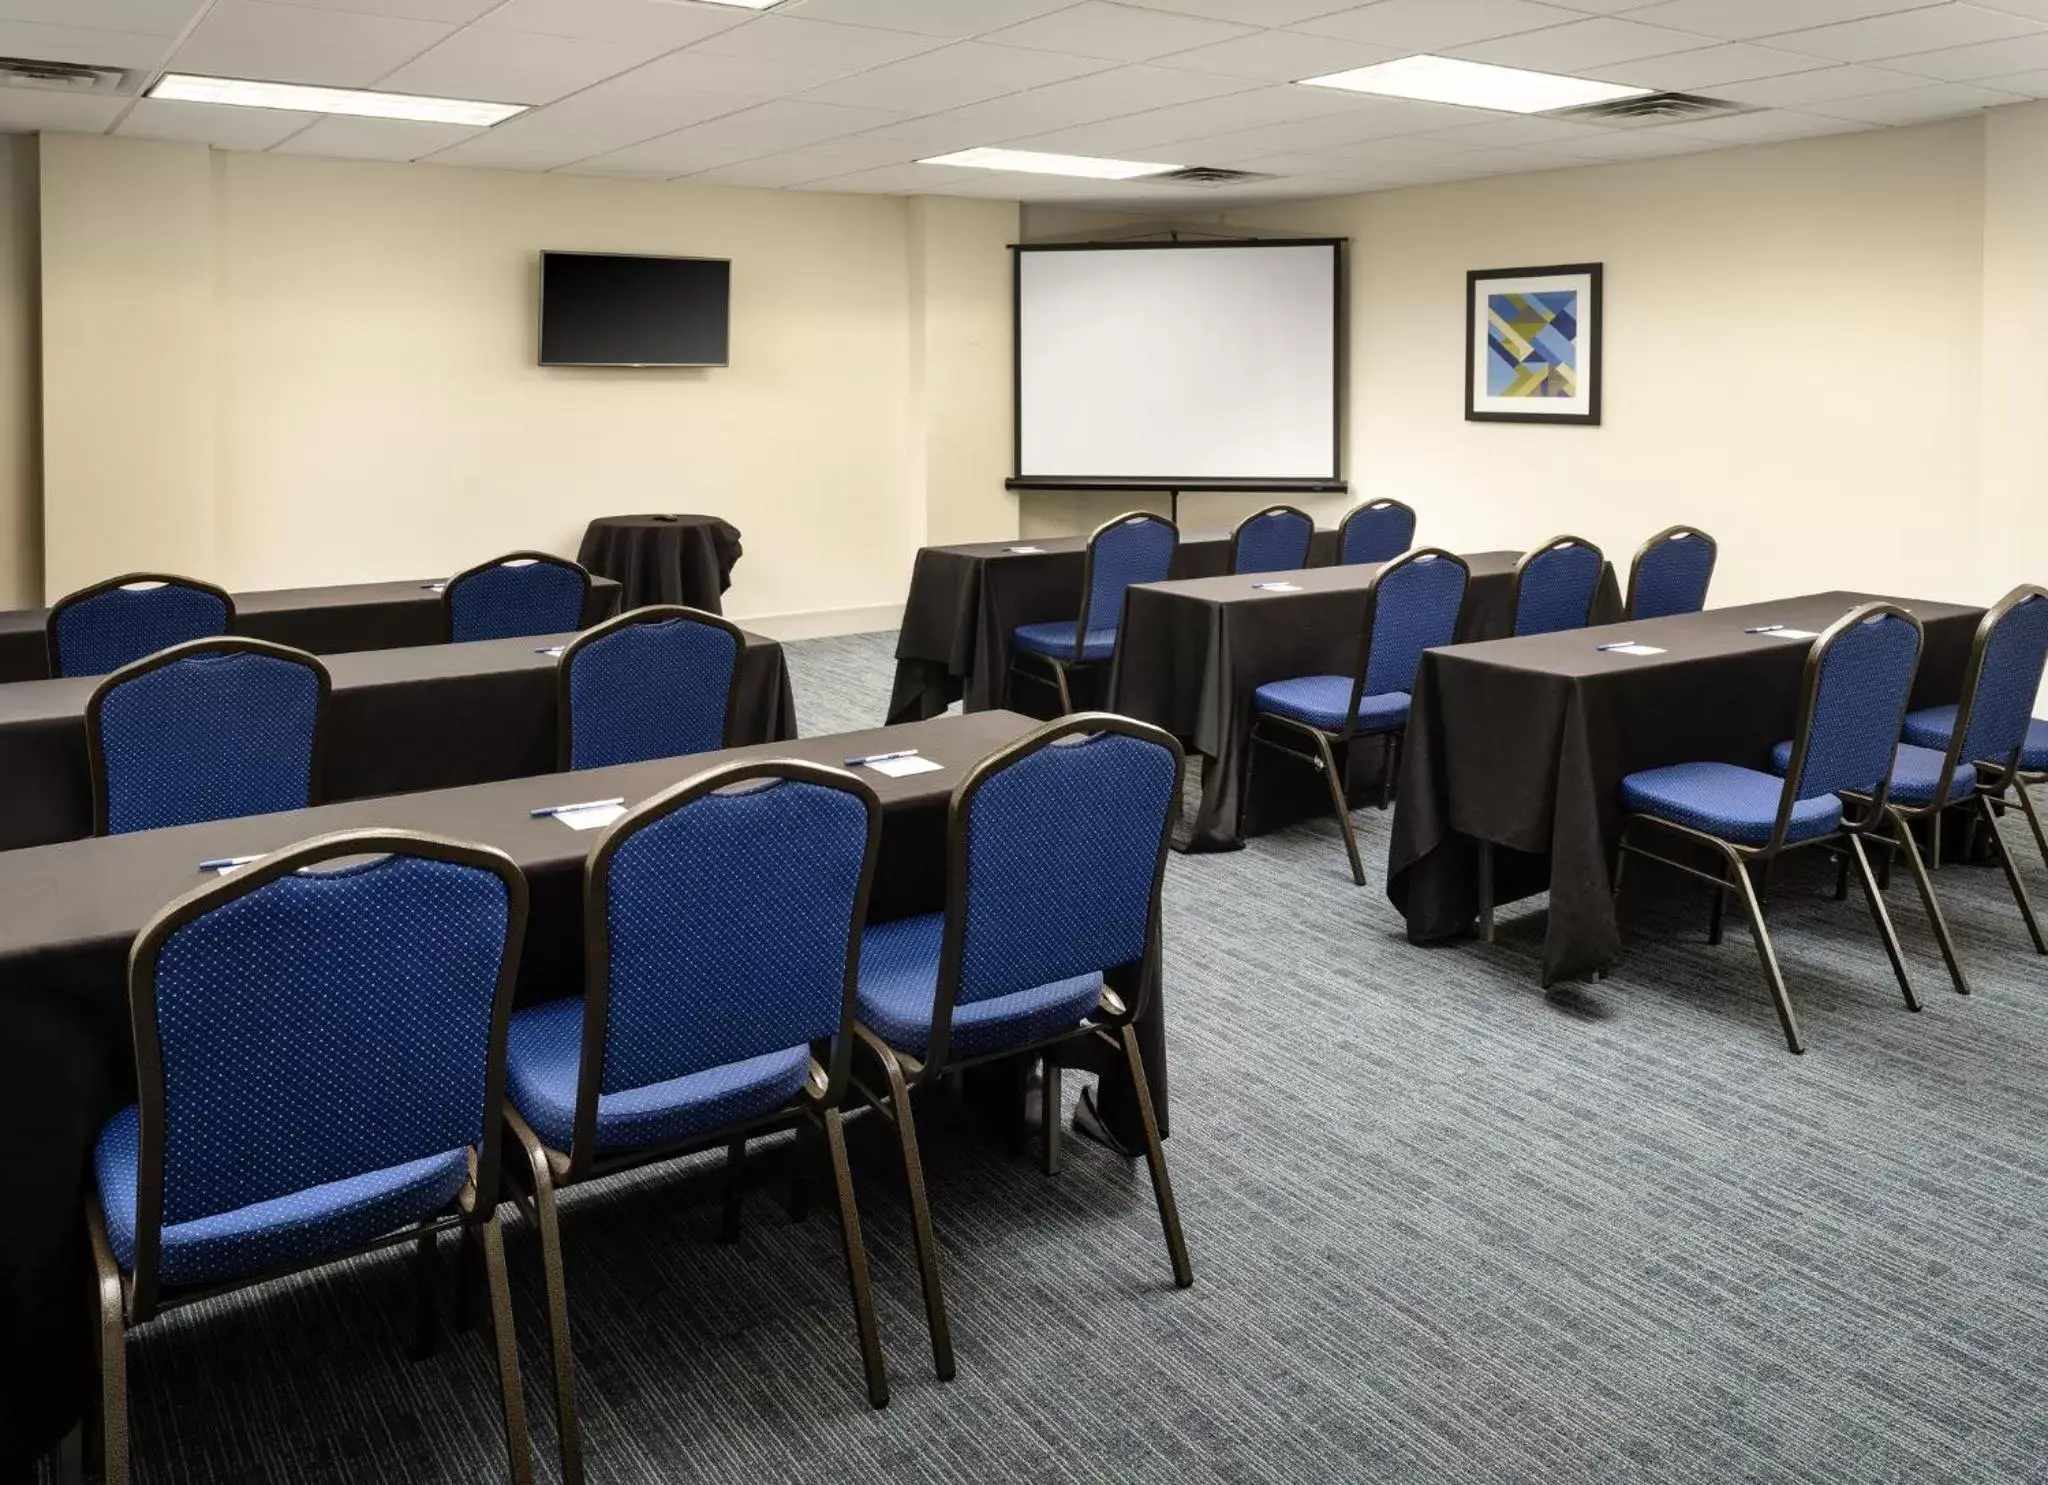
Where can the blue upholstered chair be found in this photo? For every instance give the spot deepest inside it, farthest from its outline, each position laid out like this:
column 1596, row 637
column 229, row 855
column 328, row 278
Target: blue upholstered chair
column 279, row 1123
column 1554, row 586
column 717, row 1006
column 1276, row 539
column 521, row 593
column 1133, row 548
column 1412, row 605
column 1834, row 791
column 212, row 729
column 2033, row 774
column 1670, row 573
column 115, row 623
column 1055, row 849
column 1378, row 531
column 655, row 682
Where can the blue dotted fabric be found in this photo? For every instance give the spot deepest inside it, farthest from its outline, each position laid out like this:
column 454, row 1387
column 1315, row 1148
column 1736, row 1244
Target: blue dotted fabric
column 1415, row 609
column 1057, row 640
column 1672, row 578
column 650, row 691
column 2008, row 683
column 1916, row 773
column 1378, row 535
column 1319, row 700
column 1864, row 678
column 1736, row 804
column 99, row 635
column 899, row 980
column 1133, row 552
column 209, row 737
column 543, row 1061
column 1274, row 541
column 508, row 600
column 1557, row 589
column 730, row 921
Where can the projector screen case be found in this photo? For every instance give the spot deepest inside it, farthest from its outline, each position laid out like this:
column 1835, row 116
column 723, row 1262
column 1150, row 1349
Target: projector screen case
column 1212, row 364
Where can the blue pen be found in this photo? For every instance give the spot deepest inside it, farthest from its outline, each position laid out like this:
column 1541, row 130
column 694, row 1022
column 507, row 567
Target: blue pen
column 1619, row 644
column 1764, row 629
column 222, row 863
column 881, row 757
column 563, row 809
column 551, row 650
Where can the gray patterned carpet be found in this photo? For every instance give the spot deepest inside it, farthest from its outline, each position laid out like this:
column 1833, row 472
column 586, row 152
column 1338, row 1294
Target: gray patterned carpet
column 1445, row 1228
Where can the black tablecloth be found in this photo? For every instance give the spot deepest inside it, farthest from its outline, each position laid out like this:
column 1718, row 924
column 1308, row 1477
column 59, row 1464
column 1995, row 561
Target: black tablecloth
column 68, row 914
column 326, row 621
column 1524, row 743
column 966, row 602
column 428, row 717
column 1191, row 654
column 664, row 558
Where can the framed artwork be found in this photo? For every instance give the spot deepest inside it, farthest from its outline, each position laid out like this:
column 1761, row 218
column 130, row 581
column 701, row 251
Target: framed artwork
column 1532, row 344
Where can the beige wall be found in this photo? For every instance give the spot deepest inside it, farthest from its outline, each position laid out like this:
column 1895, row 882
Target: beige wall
column 21, row 513
column 2011, row 526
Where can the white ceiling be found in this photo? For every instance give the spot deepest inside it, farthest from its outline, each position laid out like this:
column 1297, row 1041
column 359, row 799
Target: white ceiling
column 845, row 95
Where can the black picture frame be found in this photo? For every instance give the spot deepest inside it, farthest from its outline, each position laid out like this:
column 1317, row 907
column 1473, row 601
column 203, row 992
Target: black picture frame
column 1593, row 359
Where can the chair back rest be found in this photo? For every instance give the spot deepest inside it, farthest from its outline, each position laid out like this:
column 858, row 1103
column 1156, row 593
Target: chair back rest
column 1414, row 606
column 521, row 593
column 1555, row 585
column 1859, row 676
column 656, row 682
column 1275, row 540
column 1136, row 547
column 1056, row 847
column 2006, row 662
column 115, row 623
column 337, row 1008
column 722, row 923
column 1671, row 572
column 1378, row 531
column 208, row 730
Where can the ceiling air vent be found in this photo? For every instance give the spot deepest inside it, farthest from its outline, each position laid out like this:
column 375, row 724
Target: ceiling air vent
column 1204, row 175
column 62, row 77
column 1652, row 109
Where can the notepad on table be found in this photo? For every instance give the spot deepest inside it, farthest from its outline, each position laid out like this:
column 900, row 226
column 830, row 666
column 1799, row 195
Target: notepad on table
column 1024, row 551
column 904, row 767
column 1278, row 587
column 1632, row 649
column 589, row 816
column 1791, row 634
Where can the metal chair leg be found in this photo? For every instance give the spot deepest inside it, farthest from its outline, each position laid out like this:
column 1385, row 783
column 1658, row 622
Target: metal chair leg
column 1049, row 1108
column 1842, row 876
column 1754, row 907
column 1934, row 840
column 113, row 1321
column 735, row 1191
column 1059, row 673
column 920, row 1208
column 518, row 1454
column 1883, row 919
column 1486, row 891
column 856, row 1263
column 2033, row 818
column 1717, row 911
column 1155, row 1158
column 1910, row 849
column 426, row 1295
column 2012, row 876
column 469, row 1281
column 561, row 1352
column 1341, row 804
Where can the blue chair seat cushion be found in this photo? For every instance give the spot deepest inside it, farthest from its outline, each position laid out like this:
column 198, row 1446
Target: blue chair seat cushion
column 1932, row 727
column 899, row 979
column 1056, row 641
column 1727, row 801
column 1915, row 773
column 1319, row 701
column 543, row 1056
column 281, row 1233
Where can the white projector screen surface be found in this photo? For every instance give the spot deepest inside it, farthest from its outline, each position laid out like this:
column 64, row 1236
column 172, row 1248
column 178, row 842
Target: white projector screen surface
column 1178, row 364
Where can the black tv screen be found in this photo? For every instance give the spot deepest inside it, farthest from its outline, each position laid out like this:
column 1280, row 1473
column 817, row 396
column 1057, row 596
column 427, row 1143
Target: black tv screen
column 611, row 309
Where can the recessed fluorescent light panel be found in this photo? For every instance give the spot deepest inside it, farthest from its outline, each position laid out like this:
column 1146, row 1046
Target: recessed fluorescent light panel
column 1032, row 162
column 1475, row 85
column 183, row 88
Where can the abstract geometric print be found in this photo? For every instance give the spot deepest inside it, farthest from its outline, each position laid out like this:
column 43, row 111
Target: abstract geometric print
column 1532, row 344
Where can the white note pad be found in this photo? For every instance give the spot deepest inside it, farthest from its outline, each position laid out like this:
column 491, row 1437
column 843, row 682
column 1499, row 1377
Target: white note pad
column 1023, row 551
column 590, row 816
column 1792, row 634
column 1278, row 587
column 1633, row 650
column 903, row 768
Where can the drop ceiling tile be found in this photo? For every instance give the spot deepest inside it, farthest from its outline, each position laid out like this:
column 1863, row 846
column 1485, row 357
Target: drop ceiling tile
column 1520, row 133
column 1433, row 25
column 454, row 12
column 218, row 124
column 630, row 22
column 1639, row 144
column 1281, row 56
column 536, row 142
column 144, row 17
column 771, row 173
column 376, row 139
column 513, row 66
column 1251, row 12
column 948, row 18
column 1745, row 20
column 1116, row 33
column 1917, row 105
column 1818, row 86
column 77, row 44
column 24, row 110
column 1081, row 100
column 1202, row 119
column 1932, row 28
column 1706, row 67
column 2025, row 84
column 966, row 72
column 897, row 180
column 1985, row 59
column 1601, row 41
column 692, row 71
column 295, row 43
column 772, row 128
column 789, row 38
column 669, row 93
column 1758, row 128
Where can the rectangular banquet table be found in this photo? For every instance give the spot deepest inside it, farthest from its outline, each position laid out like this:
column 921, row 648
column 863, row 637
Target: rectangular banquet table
column 327, row 621
column 966, row 601
column 1525, row 742
column 425, row 717
column 1191, row 653
column 68, row 914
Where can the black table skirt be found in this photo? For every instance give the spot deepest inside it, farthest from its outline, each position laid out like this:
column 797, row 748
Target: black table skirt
column 327, row 621
column 1524, row 743
column 1190, row 655
column 427, row 717
column 966, row 602
column 68, row 914
column 664, row 558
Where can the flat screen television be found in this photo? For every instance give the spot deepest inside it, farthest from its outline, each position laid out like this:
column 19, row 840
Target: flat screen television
column 615, row 309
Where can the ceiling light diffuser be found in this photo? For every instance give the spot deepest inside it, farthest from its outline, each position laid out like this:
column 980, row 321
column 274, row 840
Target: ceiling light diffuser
column 1032, row 162
column 182, row 87
column 1475, row 85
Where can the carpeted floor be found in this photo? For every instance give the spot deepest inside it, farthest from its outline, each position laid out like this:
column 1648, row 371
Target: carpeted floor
column 1445, row 1227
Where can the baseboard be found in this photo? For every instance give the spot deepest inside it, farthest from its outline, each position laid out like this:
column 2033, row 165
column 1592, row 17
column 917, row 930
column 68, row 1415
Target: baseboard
column 823, row 623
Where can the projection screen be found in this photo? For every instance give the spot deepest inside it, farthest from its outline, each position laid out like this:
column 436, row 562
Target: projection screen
column 1180, row 365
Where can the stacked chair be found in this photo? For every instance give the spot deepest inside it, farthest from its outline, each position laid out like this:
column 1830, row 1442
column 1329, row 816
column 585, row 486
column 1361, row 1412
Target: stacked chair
column 1276, row 539
column 1133, row 548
